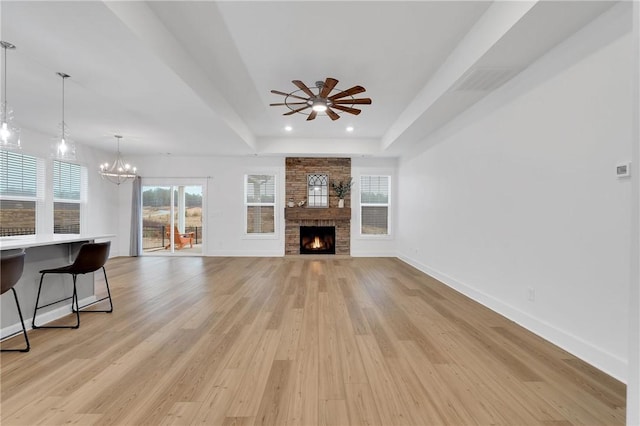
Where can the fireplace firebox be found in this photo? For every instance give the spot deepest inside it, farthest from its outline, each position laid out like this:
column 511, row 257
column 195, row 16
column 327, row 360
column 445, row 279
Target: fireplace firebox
column 317, row 240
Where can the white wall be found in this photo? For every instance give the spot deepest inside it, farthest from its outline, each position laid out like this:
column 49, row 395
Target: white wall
column 519, row 195
column 633, row 382
column 223, row 212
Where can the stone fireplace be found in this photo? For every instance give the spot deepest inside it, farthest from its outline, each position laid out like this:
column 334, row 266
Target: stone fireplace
column 297, row 169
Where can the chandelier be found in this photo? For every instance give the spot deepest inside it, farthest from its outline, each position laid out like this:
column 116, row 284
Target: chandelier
column 9, row 133
column 64, row 148
column 119, row 171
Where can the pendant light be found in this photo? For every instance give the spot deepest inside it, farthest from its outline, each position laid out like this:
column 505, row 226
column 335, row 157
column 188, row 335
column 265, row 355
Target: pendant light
column 119, row 171
column 64, row 148
column 9, row 133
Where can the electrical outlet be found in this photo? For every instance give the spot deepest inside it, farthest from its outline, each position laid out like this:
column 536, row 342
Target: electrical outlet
column 531, row 294
column 623, row 170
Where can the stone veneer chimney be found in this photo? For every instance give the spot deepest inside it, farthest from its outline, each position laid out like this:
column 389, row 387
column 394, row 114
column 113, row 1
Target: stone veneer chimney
column 297, row 168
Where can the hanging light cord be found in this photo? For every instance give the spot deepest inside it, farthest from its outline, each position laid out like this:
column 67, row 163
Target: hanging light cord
column 64, row 76
column 5, row 45
column 4, row 88
column 63, row 107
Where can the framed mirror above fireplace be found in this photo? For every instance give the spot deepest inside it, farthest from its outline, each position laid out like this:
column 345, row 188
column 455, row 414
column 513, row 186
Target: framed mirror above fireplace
column 318, row 190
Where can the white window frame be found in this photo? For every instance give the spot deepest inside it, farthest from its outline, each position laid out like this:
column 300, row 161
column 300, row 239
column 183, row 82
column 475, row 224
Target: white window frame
column 40, row 191
column 388, row 235
column 246, row 205
column 82, row 201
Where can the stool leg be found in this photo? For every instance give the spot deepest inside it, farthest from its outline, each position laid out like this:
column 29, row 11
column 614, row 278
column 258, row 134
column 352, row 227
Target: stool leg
column 104, row 271
column 35, row 310
column 74, row 298
column 24, row 329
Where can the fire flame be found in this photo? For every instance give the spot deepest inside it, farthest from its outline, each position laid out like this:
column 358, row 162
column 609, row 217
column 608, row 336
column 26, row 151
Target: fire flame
column 316, row 243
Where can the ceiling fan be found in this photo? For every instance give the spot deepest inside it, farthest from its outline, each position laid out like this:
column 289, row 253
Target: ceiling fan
column 304, row 98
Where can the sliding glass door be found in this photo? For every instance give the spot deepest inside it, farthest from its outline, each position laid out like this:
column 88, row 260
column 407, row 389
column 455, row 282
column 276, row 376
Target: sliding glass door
column 172, row 219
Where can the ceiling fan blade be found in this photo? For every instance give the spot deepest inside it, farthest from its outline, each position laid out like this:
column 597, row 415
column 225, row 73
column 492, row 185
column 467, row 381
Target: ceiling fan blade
column 312, row 115
column 277, row 92
column 289, row 103
column 329, row 84
column 363, row 101
column 297, row 110
column 332, row 115
column 349, row 92
column 347, row 109
column 304, row 88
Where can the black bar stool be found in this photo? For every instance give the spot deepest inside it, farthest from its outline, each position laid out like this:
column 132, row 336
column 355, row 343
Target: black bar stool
column 11, row 267
column 91, row 257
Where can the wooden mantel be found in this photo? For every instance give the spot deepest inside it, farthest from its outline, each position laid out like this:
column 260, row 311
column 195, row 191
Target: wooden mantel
column 310, row 213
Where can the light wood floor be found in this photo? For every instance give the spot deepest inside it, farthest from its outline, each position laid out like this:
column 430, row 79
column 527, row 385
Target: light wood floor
column 242, row 341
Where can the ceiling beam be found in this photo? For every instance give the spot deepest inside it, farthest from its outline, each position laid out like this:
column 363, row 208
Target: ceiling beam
column 146, row 25
column 320, row 146
column 495, row 23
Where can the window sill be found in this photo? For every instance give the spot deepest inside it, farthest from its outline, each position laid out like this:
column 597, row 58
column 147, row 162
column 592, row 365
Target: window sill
column 375, row 237
column 260, row 236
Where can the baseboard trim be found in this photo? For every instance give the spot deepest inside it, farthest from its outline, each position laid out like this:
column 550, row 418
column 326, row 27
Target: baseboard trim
column 44, row 318
column 373, row 254
column 245, row 253
column 601, row 359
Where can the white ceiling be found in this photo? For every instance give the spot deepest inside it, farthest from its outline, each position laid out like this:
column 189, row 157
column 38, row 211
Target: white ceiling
column 194, row 78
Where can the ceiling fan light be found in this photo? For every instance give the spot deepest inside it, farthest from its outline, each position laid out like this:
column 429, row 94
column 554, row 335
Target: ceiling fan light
column 319, row 106
column 323, row 101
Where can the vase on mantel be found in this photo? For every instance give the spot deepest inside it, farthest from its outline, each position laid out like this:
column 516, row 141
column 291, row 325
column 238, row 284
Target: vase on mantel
column 341, row 203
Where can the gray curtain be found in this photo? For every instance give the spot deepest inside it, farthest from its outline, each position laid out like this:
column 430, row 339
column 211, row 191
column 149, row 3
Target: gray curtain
column 135, row 244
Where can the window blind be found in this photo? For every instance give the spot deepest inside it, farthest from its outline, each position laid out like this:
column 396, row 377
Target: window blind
column 21, row 192
column 260, row 198
column 374, row 189
column 67, row 181
column 374, row 205
column 260, row 189
column 21, row 175
column 69, row 192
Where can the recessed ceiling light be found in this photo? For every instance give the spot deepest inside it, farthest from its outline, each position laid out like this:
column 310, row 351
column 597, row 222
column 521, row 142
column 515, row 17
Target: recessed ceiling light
column 288, row 128
column 350, row 129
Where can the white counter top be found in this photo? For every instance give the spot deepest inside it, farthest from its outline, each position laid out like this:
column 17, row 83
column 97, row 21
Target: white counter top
column 26, row 241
